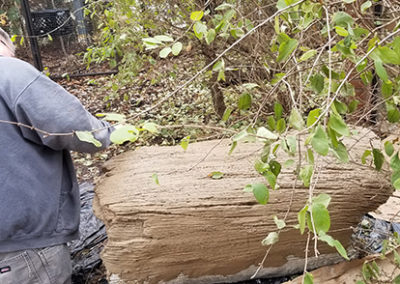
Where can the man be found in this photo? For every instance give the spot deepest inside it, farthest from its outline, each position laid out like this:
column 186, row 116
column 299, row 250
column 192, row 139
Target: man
column 39, row 195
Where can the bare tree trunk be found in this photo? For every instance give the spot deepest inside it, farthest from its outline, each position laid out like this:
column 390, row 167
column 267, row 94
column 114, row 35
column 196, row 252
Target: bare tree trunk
column 214, row 86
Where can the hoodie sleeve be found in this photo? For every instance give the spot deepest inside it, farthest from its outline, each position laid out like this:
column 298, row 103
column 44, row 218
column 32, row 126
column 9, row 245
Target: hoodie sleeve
column 47, row 106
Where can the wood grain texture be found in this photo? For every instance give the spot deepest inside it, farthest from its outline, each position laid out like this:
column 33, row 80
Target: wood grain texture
column 195, row 229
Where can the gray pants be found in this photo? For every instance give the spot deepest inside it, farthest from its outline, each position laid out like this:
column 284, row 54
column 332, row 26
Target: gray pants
column 50, row 265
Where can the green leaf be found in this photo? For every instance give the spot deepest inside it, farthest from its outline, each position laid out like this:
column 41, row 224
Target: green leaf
column 199, row 29
column 305, row 174
column 317, row 83
column 326, row 72
column 221, row 75
column 313, row 116
column 165, row 52
column 261, row 193
column 155, row 178
column 286, row 49
column 244, row 101
column 233, row 146
column 320, row 141
column 210, row 36
column 271, row 178
column 322, row 220
column 333, row 136
column 261, row 167
column 185, row 142
column 396, row 280
column 271, row 123
column 278, row 110
column 341, row 31
column 308, row 278
column 395, row 162
column 337, row 123
column 323, row 199
column 379, row 159
column 307, row 55
column 396, row 258
column 393, row 113
column 387, row 89
column 87, row 136
column 396, row 184
column 310, row 156
column 151, row 41
column 237, row 33
column 333, row 243
column 229, row 14
column 277, row 78
column 296, row 120
column 220, row 65
column 281, row 4
column 271, row 239
column 381, row 71
column 288, row 163
column 389, row 149
column 151, row 127
column 367, row 271
column 227, row 114
column 250, row 86
column 353, row 105
column 216, row 175
column 265, row 133
column 396, row 44
column 111, row 116
column 342, row 19
column 196, row 15
column 224, row 6
column 164, row 38
column 275, row 167
column 177, row 48
column 395, row 178
column 340, row 107
column 365, row 6
column 124, row 133
column 340, row 152
column 281, row 125
column 280, row 224
column 301, row 217
column 242, row 135
column 388, row 55
column 248, row 188
column 365, row 155
column 292, row 144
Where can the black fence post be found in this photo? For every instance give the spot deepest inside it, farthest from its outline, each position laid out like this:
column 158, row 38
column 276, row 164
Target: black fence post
column 37, row 59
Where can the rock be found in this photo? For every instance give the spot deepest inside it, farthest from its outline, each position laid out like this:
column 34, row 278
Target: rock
column 194, row 229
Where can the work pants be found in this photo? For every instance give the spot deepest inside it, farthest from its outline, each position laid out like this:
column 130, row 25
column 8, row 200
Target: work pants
column 50, row 265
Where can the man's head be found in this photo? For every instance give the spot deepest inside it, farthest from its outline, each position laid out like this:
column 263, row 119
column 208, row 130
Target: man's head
column 6, row 46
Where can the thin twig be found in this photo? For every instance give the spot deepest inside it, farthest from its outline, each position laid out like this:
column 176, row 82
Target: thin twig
column 189, row 81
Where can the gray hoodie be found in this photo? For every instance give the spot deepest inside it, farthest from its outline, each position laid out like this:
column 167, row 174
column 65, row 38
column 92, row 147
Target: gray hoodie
column 39, row 196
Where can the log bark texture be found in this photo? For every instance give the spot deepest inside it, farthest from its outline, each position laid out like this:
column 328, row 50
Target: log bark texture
column 194, row 229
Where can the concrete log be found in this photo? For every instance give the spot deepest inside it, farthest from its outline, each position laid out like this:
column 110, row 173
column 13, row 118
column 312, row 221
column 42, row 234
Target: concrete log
column 194, row 229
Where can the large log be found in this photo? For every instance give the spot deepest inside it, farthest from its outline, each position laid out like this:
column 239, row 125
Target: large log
column 194, row 229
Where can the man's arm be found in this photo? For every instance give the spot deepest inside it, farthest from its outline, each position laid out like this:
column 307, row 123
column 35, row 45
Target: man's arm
column 47, row 106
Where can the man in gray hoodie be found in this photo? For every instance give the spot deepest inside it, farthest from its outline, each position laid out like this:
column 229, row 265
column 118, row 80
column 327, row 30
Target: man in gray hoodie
column 39, row 195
